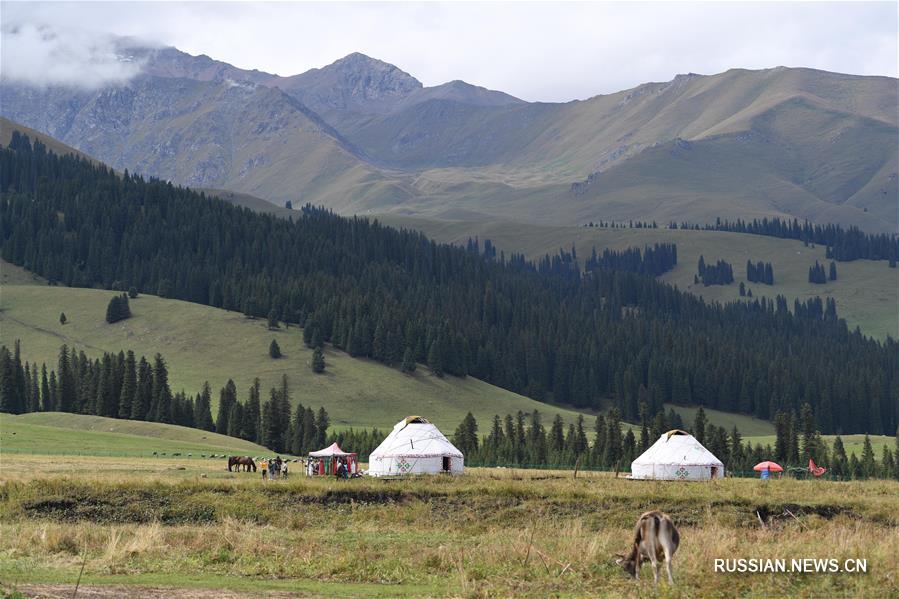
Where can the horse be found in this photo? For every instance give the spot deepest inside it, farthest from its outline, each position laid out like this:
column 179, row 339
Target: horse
column 239, row 461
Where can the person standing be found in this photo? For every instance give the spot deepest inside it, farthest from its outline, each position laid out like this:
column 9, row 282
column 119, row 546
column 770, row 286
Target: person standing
column 263, row 465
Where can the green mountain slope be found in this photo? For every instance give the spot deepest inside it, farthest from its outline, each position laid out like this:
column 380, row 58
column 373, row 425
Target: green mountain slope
column 201, row 343
column 866, row 292
column 63, row 433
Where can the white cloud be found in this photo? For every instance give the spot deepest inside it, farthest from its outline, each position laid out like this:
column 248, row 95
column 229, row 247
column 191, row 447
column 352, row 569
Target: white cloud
column 53, row 55
column 536, row 51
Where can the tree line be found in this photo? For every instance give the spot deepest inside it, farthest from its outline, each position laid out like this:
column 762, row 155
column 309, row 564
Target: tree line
column 651, row 261
column 523, row 441
column 544, row 329
column 720, row 273
column 123, row 386
column 817, row 274
column 842, row 245
column 760, row 272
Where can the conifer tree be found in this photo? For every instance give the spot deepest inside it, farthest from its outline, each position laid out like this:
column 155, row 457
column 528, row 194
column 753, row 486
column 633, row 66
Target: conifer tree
column 840, row 464
column 580, row 437
column 162, row 395
column 322, row 422
column 140, row 408
column 536, row 440
column 556, row 435
column 793, row 447
column 227, row 398
column 310, row 433
column 270, row 427
column 855, row 468
column 47, row 403
column 318, row 360
column 235, row 420
column 65, row 394
column 869, row 466
column 599, row 441
column 699, row 425
column 203, row 410
column 274, row 351
column 252, row 413
column 465, row 437
column 129, row 386
column 435, row 358
column 408, row 361
column 613, row 452
column 298, row 430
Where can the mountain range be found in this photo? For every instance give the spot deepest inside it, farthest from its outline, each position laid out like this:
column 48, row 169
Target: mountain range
column 363, row 136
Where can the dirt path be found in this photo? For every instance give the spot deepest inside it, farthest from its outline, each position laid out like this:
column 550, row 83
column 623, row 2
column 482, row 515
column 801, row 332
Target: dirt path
column 70, row 342
column 64, row 591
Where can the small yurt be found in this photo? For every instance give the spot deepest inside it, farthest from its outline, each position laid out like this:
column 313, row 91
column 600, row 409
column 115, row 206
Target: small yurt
column 677, row 455
column 415, row 446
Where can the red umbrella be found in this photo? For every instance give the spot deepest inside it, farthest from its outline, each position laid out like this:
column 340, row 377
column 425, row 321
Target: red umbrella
column 769, row 466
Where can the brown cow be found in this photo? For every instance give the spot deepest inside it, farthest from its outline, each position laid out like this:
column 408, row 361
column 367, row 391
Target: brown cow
column 655, row 538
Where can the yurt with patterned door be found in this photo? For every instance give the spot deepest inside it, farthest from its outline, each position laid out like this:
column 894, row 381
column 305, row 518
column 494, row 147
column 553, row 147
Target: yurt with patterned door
column 415, row 446
column 677, row 455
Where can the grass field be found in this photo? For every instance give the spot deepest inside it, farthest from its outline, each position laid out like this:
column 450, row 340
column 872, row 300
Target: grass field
column 64, row 434
column 491, row 532
column 201, row 343
column 747, row 425
column 866, row 292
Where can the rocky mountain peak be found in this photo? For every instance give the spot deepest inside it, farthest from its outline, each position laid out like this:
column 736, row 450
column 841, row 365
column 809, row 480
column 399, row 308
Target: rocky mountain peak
column 360, row 77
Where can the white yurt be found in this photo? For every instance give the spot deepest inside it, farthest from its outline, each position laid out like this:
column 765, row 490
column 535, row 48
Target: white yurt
column 677, row 455
column 415, row 446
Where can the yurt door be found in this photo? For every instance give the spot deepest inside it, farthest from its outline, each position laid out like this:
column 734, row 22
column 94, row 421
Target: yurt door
column 446, row 464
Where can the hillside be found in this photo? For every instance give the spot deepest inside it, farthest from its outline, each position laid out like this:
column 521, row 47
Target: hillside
column 866, row 291
column 201, row 343
column 215, row 134
column 78, row 434
column 362, row 136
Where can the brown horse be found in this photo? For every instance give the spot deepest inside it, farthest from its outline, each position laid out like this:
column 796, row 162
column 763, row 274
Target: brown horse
column 245, row 461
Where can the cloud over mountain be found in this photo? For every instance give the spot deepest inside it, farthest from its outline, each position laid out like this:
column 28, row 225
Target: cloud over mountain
column 48, row 55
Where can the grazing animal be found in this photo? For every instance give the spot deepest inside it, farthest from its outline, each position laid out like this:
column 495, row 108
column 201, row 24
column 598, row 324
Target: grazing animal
column 247, row 463
column 655, row 538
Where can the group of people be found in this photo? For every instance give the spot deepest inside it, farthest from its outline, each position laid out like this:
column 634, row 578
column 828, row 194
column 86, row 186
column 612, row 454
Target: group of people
column 314, row 468
column 273, row 468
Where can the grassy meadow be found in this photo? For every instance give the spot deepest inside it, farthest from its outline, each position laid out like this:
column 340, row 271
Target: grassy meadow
column 866, row 291
column 747, row 425
column 491, row 532
column 201, row 344
column 59, row 433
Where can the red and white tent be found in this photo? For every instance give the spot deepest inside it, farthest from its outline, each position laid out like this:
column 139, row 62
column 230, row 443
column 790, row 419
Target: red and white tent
column 327, row 459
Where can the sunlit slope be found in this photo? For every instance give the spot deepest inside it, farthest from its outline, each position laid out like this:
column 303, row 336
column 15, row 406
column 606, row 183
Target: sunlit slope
column 60, row 433
column 201, row 343
column 866, row 292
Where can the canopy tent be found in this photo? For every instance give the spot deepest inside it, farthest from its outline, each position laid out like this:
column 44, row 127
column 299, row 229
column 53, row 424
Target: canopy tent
column 415, row 446
column 325, row 461
column 677, row 455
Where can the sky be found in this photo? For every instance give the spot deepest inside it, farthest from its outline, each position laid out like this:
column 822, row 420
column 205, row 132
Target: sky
column 533, row 50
